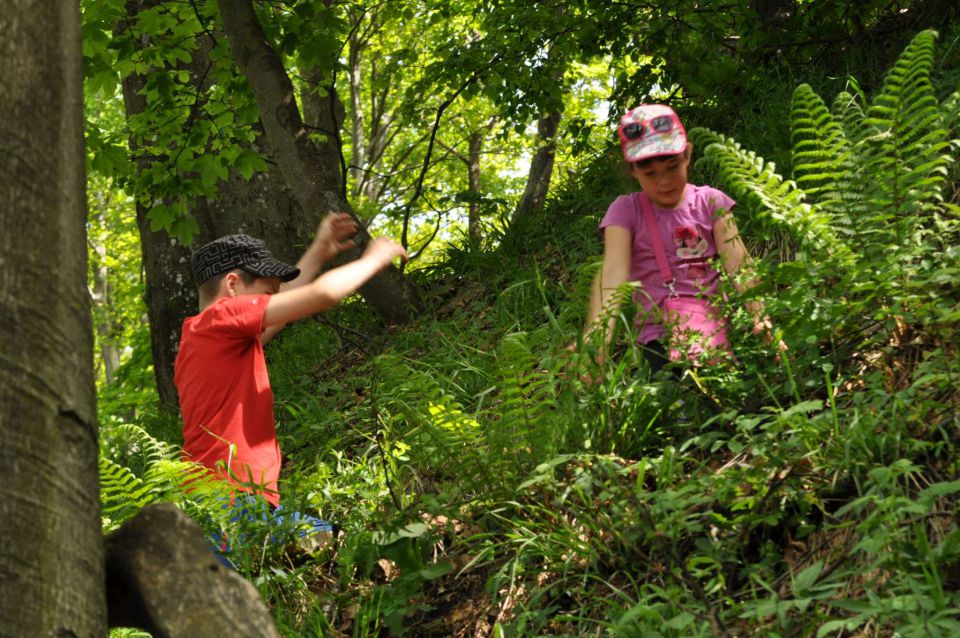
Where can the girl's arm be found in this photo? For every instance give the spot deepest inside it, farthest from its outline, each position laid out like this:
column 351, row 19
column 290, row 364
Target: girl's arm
column 734, row 256
column 617, row 248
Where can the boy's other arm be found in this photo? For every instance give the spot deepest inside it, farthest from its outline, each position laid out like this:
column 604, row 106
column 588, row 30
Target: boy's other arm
column 331, row 287
column 333, row 237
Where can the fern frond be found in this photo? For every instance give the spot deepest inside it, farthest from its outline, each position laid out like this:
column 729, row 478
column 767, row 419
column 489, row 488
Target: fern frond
column 748, row 176
column 848, row 110
column 951, row 113
column 821, row 152
column 526, row 428
column 122, row 493
column 133, row 441
column 443, row 439
column 907, row 141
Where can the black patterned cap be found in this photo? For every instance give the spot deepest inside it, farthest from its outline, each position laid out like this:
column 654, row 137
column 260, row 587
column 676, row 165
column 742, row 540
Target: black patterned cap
column 239, row 251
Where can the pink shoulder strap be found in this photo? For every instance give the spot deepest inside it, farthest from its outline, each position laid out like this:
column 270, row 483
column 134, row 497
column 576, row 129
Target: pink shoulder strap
column 658, row 250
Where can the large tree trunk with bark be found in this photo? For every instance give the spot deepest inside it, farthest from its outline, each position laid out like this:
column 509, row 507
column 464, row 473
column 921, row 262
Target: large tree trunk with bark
column 314, row 183
column 51, row 548
column 262, row 206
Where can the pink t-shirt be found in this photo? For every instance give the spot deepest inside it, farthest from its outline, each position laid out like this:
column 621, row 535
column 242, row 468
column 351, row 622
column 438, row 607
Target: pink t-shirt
column 225, row 396
column 687, row 235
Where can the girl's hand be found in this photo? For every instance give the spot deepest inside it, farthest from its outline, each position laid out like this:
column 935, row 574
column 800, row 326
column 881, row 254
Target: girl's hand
column 764, row 329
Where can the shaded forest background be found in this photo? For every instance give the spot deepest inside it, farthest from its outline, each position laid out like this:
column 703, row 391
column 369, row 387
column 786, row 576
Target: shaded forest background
column 482, row 488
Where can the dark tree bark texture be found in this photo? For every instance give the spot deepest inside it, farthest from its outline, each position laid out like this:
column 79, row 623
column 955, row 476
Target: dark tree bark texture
column 315, row 184
column 262, row 206
column 541, row 167
column 51, row 548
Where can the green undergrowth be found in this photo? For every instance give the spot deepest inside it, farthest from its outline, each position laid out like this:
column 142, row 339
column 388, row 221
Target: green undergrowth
column 489, row 480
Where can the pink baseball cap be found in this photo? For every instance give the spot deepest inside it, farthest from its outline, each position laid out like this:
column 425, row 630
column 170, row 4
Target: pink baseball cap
column 651, row 130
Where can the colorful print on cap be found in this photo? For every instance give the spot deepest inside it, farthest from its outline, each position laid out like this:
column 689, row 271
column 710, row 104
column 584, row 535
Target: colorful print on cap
column 651, row 130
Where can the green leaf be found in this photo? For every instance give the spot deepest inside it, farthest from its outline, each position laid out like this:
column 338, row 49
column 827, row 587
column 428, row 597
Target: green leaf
column 412, row 530
column 803, row 581
column 436, row 570
column 248, row 163
column 680, row 621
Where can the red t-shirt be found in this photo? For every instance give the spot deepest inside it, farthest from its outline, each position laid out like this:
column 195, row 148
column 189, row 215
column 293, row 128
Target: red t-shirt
column 225, row 397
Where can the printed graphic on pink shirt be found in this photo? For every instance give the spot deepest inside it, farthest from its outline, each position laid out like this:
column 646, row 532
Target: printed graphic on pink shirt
column 691, row 248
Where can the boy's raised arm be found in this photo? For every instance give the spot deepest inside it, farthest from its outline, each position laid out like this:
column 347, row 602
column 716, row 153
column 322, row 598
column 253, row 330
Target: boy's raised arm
column 331, row 287
column 333, row 236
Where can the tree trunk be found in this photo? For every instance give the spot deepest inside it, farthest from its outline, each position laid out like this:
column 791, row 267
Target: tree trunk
column 263, row 207
column 475, row 147
column 323, row 112
column 170, row 294
column 314, row 184
column 541, row 167
column 51, row 548
column 163, row 578
column 101, row 297
column 356, row 113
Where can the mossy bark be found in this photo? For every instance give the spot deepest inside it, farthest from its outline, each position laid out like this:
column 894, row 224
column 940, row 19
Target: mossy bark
column 51, row 548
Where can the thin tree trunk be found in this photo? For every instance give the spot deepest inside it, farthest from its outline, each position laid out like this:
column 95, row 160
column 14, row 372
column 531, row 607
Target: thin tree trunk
column 101, row 296
column 313, row 183
column 541, row 167
column 51, row 548
column 358, row 143
column 323, row 111
column 475, row 148
column 380, row 127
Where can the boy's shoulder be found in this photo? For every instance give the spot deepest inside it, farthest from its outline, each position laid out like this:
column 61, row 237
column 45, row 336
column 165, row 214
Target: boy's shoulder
column 235, row 315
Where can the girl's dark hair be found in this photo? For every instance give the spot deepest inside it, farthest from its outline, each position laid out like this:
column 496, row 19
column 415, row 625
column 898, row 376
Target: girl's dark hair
column 650, row 160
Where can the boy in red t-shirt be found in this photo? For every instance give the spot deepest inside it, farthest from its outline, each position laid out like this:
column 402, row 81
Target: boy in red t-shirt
column 246, row 297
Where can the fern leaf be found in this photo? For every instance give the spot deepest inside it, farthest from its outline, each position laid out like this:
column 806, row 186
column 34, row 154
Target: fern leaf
column 442, row 437
column 906, row 140
column 122, row 493
column 527, row 397
column 849, row 112
column 746, row 175
column 821, row 150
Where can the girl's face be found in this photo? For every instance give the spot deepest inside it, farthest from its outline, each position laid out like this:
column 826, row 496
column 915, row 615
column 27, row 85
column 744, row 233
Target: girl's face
column 664, row 179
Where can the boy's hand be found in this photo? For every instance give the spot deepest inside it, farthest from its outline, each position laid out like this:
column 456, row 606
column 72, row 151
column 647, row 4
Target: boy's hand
column 334, row 233
column 384, row 250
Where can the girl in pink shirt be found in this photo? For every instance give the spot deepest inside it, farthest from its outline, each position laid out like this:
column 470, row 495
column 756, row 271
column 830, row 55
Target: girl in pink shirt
column 694, row 223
